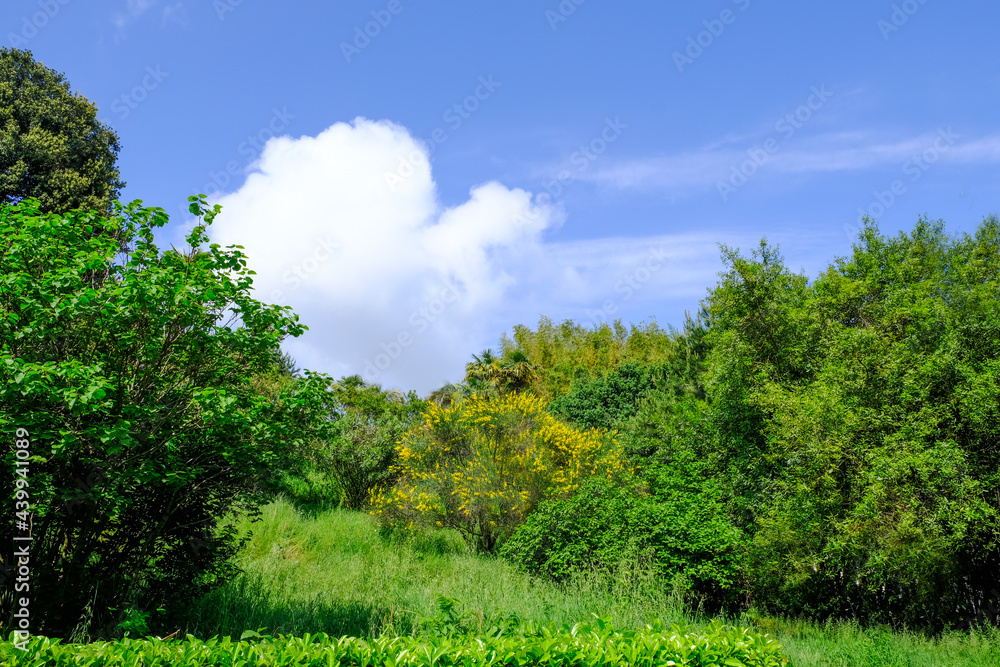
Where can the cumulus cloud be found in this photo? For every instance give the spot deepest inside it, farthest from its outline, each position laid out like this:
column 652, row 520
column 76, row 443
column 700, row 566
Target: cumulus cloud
column 346, row 228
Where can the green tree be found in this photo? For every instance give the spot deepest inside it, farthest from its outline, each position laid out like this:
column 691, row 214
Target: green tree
column 361, row 452
column 551, row 360
column 448, row 394
column 602, row 402
column 357, row 451
column 856, row 420
column 52, row 147
column 141, row 378
column 483, row 372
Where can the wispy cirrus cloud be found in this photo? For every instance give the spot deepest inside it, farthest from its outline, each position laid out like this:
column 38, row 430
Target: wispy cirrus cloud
column 134, row 9
column 175, row 13
column 698, row 171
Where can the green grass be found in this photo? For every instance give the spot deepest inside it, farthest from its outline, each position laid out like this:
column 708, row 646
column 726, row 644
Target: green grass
column 849, row 645
column 333, row 573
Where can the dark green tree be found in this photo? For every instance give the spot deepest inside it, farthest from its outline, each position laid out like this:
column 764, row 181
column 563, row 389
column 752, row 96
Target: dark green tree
column 52, row 147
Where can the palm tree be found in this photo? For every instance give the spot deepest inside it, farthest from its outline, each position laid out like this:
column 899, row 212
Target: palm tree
column 353, row 382
column 518, row 372
column 484, row 372
column 448, row 394
column 512, row 374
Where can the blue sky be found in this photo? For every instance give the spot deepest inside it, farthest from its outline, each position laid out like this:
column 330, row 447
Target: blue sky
column 410, row 207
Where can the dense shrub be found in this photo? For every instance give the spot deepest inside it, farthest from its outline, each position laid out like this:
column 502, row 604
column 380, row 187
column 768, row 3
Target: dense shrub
column 601, row 526
column 603, row 402
column 357, row 452
column 672, row 516
column 133, row 377
column 362, row 454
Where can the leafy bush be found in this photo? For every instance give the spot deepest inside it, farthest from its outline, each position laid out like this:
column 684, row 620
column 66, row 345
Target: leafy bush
column 607, row 400
column 596, row 645
column 604, row 401
column 482, row 465
column 600, row 526
column 606, row 526
column 361, row 454
column 135, row 374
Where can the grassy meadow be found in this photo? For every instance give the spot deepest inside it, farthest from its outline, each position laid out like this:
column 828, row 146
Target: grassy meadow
column 332, row 572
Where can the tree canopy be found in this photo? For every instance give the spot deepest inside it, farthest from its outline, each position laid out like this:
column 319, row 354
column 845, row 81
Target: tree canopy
column 846, row 428
column 52, row 146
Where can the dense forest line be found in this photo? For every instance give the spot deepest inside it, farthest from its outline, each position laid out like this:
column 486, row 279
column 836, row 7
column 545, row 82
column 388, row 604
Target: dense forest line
column 820, row 448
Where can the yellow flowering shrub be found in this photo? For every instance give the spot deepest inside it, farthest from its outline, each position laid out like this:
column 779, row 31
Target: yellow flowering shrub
column 482, row 465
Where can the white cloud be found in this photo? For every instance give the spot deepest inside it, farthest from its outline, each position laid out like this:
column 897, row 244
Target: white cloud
column 398, row 288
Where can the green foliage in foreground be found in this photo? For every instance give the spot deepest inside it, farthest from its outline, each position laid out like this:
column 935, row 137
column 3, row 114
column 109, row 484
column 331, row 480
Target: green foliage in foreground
column 593, row 645
column 137, row 374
